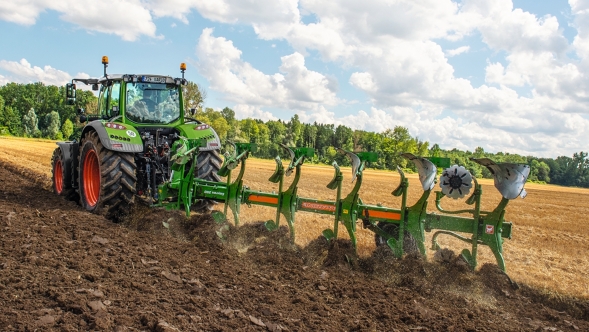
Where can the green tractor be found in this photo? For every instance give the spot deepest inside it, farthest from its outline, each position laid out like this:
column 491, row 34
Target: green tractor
column 124, row 151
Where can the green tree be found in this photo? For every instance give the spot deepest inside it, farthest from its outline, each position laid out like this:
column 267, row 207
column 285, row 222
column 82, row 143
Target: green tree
column 53, row 124
column 294, row 132
column 229, row 116
column 539, row 171
column 435, row 151
column 249, row 130
column 309, row 135
column 30, row 123
column 325, row 133
column 221, row 127
column 12, row 121
column 343, row 137
column 194, row 97
column 67, row 128
column 3, row 128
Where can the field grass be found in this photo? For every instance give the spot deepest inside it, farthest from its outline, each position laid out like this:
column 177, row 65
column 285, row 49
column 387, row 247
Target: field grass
column 550, row 242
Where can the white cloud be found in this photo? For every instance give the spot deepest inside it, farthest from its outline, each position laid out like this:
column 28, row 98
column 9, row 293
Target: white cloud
column 24, row 72
column 127, row 19
column 4, row 80
column 457, row 51
column 293, row 87
column 25, row 13
column 246, row 111
column 270, row 19
column 363, row 81
column 512, row 30
column 580, row 10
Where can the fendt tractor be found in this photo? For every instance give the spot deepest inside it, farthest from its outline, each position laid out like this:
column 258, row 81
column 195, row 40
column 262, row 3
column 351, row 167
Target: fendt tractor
column 142, row 145
column 124, row 151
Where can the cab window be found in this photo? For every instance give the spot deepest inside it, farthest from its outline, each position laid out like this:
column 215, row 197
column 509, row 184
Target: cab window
column 109, row 98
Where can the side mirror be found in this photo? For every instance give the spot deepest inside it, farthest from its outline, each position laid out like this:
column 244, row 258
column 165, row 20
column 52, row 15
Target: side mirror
column 115, row 111
column 193, row 111
column 70, row 93
column 94, row 87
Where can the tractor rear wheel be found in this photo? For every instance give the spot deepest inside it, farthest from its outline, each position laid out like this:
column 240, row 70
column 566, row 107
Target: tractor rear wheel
column 207, row 165
column 409, row 244
column 107, row 179
column 59, row 177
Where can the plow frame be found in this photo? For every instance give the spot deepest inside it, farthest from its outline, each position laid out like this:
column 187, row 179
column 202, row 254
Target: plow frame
column 484, row 227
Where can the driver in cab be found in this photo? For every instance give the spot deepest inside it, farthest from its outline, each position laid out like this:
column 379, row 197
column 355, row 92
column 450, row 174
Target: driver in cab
column 147, row 99
column 144, row 108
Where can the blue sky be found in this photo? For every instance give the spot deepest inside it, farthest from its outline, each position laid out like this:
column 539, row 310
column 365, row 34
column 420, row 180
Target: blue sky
column 505, row 75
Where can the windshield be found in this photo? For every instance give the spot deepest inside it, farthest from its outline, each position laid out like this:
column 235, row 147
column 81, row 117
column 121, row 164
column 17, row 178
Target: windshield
column 152, row 103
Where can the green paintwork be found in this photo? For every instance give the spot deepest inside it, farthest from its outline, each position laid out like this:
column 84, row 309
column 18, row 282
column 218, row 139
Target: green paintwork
column 485, row 228
column 189, row 131
column 440, row 162
column 129, row 135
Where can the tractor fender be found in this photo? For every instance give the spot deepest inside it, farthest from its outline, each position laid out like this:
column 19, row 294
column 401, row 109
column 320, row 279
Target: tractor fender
column 69, row 158
column 192, row 131
column 107, row 142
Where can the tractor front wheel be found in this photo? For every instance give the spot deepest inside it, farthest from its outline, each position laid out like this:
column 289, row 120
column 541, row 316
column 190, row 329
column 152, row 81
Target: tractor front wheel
column 409, row 244
column 107, row 179
column 60, row 179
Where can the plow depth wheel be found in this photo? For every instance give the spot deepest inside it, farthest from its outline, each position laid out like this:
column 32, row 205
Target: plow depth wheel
column 409, row 243
column 107, row 178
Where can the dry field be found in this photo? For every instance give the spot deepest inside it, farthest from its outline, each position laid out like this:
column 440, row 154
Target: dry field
column 550, row 237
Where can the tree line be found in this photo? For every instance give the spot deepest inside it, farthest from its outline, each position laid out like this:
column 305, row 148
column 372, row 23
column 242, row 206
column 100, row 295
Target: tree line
column 37, row 110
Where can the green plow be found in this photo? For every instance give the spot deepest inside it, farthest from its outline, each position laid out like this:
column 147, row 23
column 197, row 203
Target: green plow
column 402, row 229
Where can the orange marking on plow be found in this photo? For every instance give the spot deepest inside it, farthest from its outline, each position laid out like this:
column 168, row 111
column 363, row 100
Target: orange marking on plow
column 318, row 206
column 384, row 214
column 263, row 199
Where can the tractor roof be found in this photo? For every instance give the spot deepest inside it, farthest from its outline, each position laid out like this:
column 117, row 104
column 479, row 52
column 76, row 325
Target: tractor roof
column 147, row 78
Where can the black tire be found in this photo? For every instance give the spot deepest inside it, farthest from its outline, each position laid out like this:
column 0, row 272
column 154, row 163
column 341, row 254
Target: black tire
column 107, row 179
column 60, row 179
column 208, row 163
column 409, row 244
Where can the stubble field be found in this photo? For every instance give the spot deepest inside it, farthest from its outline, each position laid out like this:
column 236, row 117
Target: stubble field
column 548, row 251
column 549, row 248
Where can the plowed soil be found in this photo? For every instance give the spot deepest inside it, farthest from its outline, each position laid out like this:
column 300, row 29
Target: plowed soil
column 63, row 269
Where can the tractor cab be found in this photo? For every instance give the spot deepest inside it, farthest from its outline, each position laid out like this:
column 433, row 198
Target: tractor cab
column 140, row 99
column 136, row 99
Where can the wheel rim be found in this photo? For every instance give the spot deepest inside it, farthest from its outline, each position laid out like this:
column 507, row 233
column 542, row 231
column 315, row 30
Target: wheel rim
column 91, row 178
column 58, row 177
